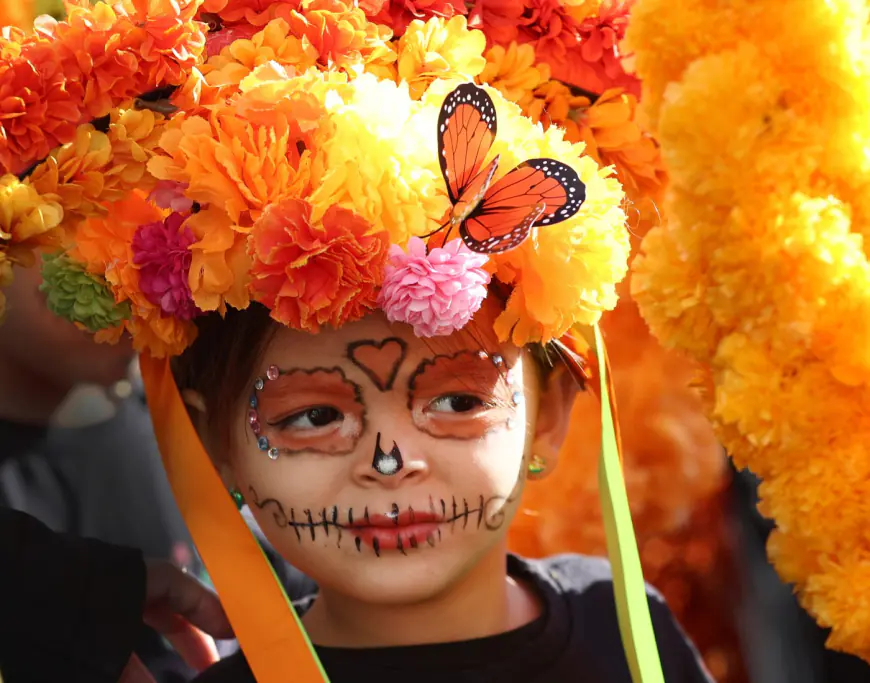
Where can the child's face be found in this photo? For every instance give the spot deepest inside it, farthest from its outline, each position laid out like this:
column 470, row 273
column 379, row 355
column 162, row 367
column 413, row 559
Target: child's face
column 400, row 462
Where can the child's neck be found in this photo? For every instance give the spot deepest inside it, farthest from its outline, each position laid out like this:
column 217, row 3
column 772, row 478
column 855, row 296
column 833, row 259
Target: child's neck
column 484, row 602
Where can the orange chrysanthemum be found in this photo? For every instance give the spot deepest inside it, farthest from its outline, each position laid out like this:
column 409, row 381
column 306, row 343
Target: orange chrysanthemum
column 126, row 49
column 515, row 72
column 609, row 129
column 160, row 335
column 103, row 244
column 315, row 274
column 219, row 263
column 41, row 108
column 397, row 14
column 233, row 164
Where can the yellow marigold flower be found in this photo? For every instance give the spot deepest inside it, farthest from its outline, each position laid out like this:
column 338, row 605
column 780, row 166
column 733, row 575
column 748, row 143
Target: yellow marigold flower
column 383, row 168
column 439, row 49
column 134, row 134
column 28, row 221
column 514, row 72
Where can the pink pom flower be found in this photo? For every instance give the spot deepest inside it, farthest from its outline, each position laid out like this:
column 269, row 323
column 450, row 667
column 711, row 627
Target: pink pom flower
column 437, row 292
column 161, row 250
column 168, row 194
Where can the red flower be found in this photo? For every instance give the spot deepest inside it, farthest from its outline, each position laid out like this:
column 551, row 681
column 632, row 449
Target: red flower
column 318, row 273
column 397, row 14
column 39, row 107
column 583, row 52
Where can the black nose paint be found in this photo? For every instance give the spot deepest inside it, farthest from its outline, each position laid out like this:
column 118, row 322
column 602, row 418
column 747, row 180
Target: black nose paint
column 387, row 464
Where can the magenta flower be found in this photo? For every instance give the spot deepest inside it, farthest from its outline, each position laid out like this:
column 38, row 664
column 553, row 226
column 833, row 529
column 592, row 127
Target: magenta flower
column 168, row 194
column 437, row 292
column 161, row 251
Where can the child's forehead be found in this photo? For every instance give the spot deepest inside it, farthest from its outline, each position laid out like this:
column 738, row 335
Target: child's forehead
column 331, row 347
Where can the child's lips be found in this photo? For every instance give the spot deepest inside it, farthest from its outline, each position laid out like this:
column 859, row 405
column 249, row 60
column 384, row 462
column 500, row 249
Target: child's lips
column 397, row 533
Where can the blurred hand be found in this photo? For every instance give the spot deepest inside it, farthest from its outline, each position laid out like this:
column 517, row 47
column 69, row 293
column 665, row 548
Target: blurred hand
column 184, row 611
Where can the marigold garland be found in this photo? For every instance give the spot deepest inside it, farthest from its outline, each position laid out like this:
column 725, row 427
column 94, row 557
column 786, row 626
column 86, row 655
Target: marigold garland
column 761, row 271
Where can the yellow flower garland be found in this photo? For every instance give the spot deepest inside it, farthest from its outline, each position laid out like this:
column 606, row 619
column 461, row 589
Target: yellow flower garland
column 763, row 113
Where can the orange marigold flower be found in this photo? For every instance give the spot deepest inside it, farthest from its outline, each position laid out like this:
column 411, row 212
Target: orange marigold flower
column 161, row 336
column 19, row 13
column 40, row 106
column 125, row 49
column 219, row 263
column 609, row 129
column 104, row 244
column 514, row 72
column 310, row 275
column 274, row 43
column 397, row 14
column 341, row 34
column 233, row 164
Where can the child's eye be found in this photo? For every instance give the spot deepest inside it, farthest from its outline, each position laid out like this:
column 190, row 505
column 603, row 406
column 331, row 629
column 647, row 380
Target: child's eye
column 455, row 403
column 311, row 418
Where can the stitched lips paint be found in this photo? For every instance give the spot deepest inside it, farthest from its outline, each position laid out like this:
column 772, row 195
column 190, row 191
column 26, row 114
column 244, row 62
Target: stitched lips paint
column 396, row 532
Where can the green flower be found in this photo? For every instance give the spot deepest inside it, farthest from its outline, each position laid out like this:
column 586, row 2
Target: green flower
column 79, row 296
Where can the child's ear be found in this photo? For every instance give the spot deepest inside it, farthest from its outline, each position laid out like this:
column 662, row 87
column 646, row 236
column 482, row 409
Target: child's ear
column 553, row 420
column 198, row 413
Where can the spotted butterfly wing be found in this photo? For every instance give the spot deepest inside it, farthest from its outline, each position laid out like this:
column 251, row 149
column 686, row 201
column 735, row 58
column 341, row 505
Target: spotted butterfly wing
column 466, row 128
column 538, row 192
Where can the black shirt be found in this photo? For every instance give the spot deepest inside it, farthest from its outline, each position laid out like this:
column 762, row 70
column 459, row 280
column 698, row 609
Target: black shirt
column 575, row 639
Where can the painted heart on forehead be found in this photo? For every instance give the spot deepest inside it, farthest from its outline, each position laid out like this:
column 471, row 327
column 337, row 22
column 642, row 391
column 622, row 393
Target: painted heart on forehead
column 379, row 360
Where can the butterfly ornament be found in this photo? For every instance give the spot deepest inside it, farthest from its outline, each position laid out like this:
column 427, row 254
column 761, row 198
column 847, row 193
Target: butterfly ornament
column 497, row 217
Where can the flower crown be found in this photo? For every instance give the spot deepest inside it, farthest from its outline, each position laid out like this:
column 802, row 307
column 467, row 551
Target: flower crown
column 293, row 162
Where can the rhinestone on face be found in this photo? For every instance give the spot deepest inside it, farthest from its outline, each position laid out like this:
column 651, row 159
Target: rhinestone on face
column 255, row 427
column 498, row 360
column 259, row 384
column 273, row 453
column 273, row 372
column 252, row 416
column 263, row 443
column 254, row 402
column 509, row 423
column 517, row 398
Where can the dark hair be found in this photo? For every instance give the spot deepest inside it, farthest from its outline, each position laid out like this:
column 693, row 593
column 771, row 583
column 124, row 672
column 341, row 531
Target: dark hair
column 219, row 365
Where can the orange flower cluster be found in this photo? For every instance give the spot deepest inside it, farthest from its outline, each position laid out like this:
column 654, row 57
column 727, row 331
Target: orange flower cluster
column 580, row 42
column 316, row 273
column 70, row 72
column 330, row 34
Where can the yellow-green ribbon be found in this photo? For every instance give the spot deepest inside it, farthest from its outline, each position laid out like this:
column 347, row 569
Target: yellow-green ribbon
column 632, row 603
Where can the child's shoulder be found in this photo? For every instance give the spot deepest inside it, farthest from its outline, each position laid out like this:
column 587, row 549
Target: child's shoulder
column 573, row 574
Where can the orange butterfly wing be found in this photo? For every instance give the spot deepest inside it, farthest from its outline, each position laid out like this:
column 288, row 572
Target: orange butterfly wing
column 537, row 192
column 466, row 129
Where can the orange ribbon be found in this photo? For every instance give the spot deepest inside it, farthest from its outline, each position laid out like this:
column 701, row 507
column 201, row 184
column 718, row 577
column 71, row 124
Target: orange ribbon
column 265, row 623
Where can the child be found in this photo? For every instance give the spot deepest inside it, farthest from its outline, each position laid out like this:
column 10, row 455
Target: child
column 402, row 464
column 362, row 274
